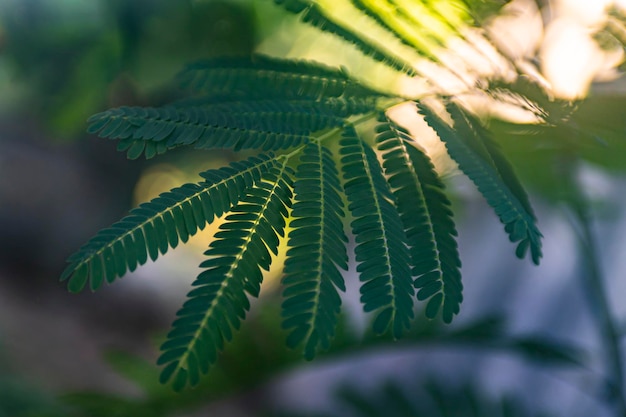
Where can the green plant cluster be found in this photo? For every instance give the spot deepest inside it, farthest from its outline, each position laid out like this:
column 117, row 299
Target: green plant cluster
column 328, row 162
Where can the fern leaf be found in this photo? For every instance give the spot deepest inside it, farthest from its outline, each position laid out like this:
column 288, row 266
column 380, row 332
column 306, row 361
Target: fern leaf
column 317, row 251
column 313, row 14
column 153, row 227
column 519, row 223
column 288, row 116
column 219, row 300
column 480, row 140
column 170, row 127
column 427, row 218
column 267, row 125
column 263, row 77
column 381, row 251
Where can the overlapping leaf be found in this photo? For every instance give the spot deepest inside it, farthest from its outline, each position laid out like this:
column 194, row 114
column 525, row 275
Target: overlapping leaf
column 492, row 175
column 153, row 227
column 317, row 252
column 263, row 77
column 268, row 125
column 381, row 250
column 219, row 300
column 427, row 218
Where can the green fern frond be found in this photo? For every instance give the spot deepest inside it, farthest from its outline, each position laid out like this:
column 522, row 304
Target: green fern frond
column 381, row 250
column 519, row 223
column 263, row 77
column 481, row 142
column 267, row 125
column 312, row 13
column 317, row 251
column 219, row 302
column 192, row 126
column 153, row 227
column 425, row 212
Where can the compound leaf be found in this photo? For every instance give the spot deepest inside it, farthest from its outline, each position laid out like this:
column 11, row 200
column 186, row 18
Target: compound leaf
column 263, row 77
column 153, row 227
column 219, row 300
column 381, row 250
column 317, row 252
column 427, row 218
column 490, row 178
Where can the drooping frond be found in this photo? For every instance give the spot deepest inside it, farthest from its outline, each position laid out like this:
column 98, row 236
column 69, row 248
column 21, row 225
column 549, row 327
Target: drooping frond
column 263, row 77
column 481, row 142
column 479, row 139
column 267, row 125
column 316, row 15
column 427, row 218
column 317, row 252
column 219, row 300
column 155, row 226
column 381, row 250
column 479, row 166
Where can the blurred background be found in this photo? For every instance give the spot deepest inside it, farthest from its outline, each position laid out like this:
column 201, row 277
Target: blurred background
column 527, row 341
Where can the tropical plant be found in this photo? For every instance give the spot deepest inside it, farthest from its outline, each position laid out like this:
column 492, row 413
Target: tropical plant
column 326, row 153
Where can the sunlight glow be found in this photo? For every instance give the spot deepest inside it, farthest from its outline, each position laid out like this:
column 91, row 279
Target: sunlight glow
column 426, row 138
column 161, row 178
column 157, row 179
column 586, row 12
column 570, row 58
column 519, row 30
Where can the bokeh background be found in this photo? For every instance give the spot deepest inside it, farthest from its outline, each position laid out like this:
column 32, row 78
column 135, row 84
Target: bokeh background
column 526, row 333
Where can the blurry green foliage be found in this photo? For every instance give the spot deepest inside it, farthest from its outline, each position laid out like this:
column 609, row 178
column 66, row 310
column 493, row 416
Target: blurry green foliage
column 75, row 58
column 594, row 133
column 21, row 398
column 258, row 354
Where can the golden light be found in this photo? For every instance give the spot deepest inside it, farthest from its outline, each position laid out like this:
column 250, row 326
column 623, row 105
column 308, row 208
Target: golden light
column 586, row 12
column 571, row 59
column 161, row 178
column 518, row 30
column 156, row 180
column 425, row 138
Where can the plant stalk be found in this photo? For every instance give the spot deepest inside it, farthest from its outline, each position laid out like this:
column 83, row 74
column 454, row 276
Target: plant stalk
column 600, row 308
